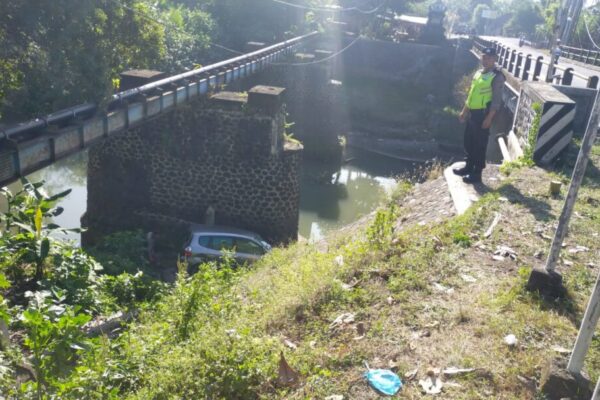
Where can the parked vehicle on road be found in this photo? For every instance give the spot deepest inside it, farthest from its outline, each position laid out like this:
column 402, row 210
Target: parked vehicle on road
column 209, row 243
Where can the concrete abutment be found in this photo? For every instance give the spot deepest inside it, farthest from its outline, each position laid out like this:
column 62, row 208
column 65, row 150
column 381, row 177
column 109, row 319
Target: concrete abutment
column 228, row 152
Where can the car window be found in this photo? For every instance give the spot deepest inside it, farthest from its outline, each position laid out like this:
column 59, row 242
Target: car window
column 248, row 247
column 204, row 241
column 221, row 243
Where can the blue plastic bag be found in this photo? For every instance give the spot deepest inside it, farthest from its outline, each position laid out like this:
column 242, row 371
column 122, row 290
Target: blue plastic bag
column 384, row 381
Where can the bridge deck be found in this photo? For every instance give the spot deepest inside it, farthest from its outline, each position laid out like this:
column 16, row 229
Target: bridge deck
column 582, row 71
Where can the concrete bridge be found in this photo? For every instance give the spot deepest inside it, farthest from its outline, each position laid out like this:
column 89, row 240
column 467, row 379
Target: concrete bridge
column 32, row 145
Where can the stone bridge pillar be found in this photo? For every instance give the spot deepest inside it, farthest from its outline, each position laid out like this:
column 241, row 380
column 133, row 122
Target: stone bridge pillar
column 228, row 152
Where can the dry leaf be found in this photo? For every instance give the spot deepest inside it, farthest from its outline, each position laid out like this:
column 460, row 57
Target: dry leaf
column 287, row 376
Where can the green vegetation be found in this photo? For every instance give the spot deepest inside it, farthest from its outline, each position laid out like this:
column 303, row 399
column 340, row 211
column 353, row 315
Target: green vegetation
column 57, row 54
column 424, row 295
column 526, row 160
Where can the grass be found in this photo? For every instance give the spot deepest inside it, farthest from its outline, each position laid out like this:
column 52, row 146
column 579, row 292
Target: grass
column 426, row 295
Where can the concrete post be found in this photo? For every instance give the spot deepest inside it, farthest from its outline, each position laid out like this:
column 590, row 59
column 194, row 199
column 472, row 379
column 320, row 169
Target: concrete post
column 547, row 280
column 596, row 395
column 586, row 331
column 576, row 179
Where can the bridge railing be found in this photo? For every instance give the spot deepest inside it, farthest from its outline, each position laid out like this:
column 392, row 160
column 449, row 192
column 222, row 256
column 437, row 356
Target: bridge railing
column 30, row 146
column 528, row 67
column 586, row 56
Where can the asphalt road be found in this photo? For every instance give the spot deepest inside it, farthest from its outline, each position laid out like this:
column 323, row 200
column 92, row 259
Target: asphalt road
column 581, row 71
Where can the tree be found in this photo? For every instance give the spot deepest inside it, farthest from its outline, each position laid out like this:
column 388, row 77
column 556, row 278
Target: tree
column 526, row 16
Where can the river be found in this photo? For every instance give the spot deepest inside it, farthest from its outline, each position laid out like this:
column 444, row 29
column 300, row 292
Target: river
column 329, row 200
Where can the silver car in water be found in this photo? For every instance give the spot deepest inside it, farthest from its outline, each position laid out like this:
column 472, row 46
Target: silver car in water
column 207, row 243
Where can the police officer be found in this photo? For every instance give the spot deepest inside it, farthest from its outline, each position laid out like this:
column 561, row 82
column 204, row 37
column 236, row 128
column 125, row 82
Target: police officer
column 483, row 102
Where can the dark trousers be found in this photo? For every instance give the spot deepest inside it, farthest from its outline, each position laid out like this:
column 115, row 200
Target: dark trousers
column 476, row 140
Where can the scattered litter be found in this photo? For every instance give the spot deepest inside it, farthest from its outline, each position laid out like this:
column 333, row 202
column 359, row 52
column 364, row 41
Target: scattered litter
column 503, row 199
column 468, row 278
column 343, row 319
column 433, row 324
column 390, row 300
column 339, row 260
column 312, row 344
column 497, row 258
column 441, row 288
column 421, row 334
column 411, row 375
column 290, row 344
column 578, row 249
column 453, row 371
column 568, row 263
column 539, row 254
column 490, row 230
column 432, row 384
column 383, row 380
column 351, row 285
column 561, row 350
column 232, row 333
column 335, row 397
column 511, row 340
column 286, row 376
column 505, row 251
column 453, row 385
column 591, row 265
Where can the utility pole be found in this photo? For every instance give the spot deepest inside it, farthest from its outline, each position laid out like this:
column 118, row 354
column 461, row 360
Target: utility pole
column 548, row 280
column 573, row 13
column 555, row 36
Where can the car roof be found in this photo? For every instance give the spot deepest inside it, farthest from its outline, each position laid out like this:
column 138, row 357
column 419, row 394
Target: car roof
column 199, row 229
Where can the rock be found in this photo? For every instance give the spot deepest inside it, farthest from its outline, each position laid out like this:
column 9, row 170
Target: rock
column 557, row 383
column 547, row 283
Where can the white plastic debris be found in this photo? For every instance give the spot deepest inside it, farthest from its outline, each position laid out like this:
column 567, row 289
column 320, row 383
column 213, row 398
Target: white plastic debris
column 578, row 249
column 468, row 278
column 511, row 340
column 343, row 319
column 442, row 288
column 505, row 251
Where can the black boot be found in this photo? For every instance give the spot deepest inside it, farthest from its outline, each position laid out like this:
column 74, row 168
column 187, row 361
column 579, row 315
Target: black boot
column 466, row 170
column 473, row 177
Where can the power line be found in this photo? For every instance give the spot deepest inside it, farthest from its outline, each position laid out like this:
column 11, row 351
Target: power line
column 589, row 34
column 329, row 9
column 321, row 60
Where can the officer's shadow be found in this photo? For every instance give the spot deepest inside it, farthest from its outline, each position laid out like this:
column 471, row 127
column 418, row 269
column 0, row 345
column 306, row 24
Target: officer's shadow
column 538, row 208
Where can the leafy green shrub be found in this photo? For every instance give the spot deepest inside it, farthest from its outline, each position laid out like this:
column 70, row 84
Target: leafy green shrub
column 74, row 275
column 382, row 229
column 128, row 291
column 122, row 252
column 54, row 336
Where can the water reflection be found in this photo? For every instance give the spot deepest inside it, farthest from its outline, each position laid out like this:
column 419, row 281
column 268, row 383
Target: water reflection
column 331, row 197
column 350, row 192
column 68, row 173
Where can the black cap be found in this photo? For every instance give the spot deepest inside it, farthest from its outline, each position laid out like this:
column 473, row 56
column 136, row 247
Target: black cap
column 489, row 51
